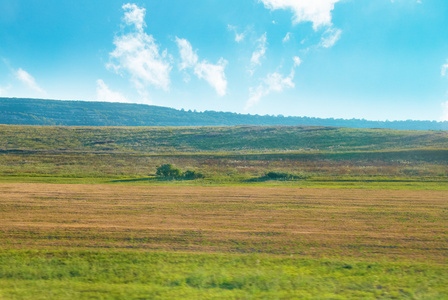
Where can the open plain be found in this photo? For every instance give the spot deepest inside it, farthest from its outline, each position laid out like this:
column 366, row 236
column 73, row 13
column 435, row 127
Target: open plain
column 276, row 213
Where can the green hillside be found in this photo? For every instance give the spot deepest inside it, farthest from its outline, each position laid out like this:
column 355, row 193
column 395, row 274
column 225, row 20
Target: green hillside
column 241, row 139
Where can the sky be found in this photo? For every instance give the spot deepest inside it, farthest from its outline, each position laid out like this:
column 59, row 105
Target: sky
column 374, row 60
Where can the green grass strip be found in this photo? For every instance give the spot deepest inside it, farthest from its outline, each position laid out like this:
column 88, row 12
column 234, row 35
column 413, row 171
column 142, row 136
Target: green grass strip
column 145, row 275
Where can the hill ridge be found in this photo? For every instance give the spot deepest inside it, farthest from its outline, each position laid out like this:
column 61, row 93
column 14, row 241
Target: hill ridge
column 26, row 111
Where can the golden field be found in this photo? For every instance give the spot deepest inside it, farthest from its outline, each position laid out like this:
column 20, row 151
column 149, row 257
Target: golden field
column 392, row 225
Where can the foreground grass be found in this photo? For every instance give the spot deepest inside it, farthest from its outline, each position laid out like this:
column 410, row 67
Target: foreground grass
column 121, row 241
column 145, row 275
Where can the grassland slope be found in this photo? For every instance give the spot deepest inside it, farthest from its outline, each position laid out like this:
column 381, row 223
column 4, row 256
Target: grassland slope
column 257, row 139
column 320, row 156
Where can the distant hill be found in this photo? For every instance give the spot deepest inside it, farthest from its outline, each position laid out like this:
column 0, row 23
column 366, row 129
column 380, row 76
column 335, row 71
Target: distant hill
column 20, row 111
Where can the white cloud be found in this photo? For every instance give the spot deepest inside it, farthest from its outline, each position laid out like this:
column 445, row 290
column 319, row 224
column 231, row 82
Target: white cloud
column 297, row 61
column 330, row 37
column 134, row 16
column 103, row 93
column 239, row 37
column 287, row 37
column 28, row 80
column 444, row 69
column 418, row 1
column 3, row 90
column 444, row 111
column 137, row 54
column 274, row 82
column 188, row 56
column 214, row 74
column 259, row 53
column 316, row 11
column 444, row 72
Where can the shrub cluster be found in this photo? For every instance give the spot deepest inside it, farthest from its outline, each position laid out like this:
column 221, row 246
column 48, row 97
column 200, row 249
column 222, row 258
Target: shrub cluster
column 284, row 176
column 192, row 175
column 169, row 171
column 279, row 175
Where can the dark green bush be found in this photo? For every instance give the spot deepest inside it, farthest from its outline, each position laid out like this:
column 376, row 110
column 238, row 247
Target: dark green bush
column 279, row 175
column 285, row 176
column 193, row 175
column 167, row 170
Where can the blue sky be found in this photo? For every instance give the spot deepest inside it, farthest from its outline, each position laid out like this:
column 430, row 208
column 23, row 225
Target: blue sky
column 378, row 60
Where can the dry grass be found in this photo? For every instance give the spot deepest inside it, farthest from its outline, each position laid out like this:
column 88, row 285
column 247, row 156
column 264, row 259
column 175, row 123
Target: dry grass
column 371, row 224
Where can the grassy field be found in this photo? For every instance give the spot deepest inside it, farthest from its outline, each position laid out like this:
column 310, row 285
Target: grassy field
column 363, row 215
column 146, row 275
column 112, row 241
column 286, row 221
column 235, row 139
column 241, row 155
column 410, row 169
